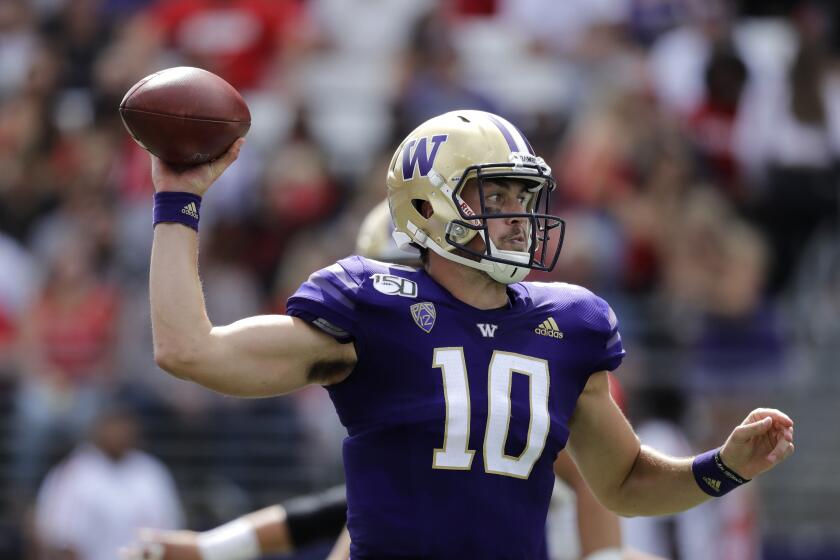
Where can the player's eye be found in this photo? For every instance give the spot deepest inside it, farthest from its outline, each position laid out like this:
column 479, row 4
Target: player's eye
column 493, row 200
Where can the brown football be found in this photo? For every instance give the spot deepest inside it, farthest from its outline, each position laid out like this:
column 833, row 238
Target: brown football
column 185, row 115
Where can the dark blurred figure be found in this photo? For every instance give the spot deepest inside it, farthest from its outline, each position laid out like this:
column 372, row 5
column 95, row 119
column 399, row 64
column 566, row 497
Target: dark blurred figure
column 432, row 83
column 800, row 194
column 712, row 123
column 78, row 35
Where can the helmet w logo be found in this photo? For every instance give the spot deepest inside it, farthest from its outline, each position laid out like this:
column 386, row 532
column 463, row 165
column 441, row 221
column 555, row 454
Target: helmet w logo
column 416, row 155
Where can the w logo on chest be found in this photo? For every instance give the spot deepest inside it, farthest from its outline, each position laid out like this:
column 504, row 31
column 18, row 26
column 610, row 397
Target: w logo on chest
column 418, row 154
column 487, row 330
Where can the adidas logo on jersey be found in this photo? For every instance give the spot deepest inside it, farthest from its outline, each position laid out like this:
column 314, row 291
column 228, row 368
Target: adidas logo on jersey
column 190, row 210
column 549, row 328
column 715, row 484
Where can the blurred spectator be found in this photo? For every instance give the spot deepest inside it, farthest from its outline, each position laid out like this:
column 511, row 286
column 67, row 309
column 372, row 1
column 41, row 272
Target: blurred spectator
column 25, row 191
column 18, row 45
column 94, row 501
column 240, row 40
column 791, row 139
column 367, row 37
column 297, row 192
column 66, row 357
column 714, row 274
column 677, row 59
column 623, row 170
column 78, row 35
column 712, row 122
column 594, row 164
column 575, row 27
column 18, row 285
column 432, row 85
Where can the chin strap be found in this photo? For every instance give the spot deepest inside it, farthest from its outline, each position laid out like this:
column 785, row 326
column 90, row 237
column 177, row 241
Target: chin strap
column 500, row 272
column 504, row 272
column 507, row 273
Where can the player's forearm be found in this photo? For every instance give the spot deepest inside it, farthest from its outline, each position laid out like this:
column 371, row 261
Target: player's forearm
column 657, row 485
column 179, row 319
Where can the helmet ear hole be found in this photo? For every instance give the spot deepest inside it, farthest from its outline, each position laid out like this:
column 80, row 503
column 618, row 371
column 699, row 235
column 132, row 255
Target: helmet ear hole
column 423, row 207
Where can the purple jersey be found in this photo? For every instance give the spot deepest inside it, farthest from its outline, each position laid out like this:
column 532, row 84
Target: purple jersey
column 454, row 415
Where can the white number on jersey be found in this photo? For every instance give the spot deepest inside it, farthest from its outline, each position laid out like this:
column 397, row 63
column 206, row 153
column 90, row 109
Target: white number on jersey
column 455, row 453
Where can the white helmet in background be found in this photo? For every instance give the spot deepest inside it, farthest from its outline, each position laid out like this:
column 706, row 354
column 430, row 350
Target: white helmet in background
column 375, row 239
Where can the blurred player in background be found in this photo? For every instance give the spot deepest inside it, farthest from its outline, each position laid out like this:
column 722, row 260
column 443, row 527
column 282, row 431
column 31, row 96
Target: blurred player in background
column 278, row 529
column 449, row 454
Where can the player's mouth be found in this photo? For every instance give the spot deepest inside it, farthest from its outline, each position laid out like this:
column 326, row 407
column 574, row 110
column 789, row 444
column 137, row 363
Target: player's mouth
column 515, row 242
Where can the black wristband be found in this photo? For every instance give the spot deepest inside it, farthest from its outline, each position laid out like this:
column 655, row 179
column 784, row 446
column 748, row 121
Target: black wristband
column 713, row 476
column 317, row 516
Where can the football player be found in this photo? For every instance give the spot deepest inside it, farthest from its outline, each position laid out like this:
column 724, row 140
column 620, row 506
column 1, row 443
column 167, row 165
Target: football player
column 287, row 527
column 458, row 382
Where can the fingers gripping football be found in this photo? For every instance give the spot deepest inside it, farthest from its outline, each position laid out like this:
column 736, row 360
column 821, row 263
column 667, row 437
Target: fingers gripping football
column 194, row 179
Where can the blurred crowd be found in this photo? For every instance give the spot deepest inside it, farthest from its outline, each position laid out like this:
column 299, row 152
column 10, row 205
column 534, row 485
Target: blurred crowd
column 695, row 144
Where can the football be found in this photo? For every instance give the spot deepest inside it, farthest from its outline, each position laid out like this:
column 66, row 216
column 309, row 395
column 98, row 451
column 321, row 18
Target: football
column 184, row 115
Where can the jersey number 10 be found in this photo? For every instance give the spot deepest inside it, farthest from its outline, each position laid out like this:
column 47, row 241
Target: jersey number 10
column 455, row 453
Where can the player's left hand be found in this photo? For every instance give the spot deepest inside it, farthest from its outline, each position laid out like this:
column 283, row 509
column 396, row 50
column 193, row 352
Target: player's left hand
column 762, row 441
column 163, row 545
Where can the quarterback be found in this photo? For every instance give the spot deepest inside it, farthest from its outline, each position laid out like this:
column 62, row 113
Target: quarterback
column 458, row 383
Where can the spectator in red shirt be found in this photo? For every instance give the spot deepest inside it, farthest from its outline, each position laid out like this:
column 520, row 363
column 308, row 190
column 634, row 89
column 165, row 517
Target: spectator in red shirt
column 237, row 39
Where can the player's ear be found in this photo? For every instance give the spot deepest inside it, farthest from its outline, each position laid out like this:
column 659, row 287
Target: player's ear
column 426, row 209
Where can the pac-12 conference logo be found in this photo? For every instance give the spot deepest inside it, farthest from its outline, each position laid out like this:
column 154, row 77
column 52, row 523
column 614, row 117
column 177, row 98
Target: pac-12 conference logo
column 424, row 315
column 417, row 155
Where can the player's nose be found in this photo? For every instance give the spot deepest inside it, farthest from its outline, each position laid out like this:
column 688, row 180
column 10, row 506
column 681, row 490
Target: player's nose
column 515, row 207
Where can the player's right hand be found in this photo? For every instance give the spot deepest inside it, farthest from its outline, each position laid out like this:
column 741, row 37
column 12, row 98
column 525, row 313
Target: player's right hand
column 163, row 545
column 194, row 179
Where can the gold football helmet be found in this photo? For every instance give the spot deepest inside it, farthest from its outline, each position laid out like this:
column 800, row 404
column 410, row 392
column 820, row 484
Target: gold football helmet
column 434, row 163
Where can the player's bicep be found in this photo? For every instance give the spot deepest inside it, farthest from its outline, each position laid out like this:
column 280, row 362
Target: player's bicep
column 269, row 355
column 601, row 440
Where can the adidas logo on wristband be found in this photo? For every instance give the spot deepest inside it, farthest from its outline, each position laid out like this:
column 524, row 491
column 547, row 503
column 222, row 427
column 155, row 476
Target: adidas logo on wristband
column 190, row 210
column 715, row 484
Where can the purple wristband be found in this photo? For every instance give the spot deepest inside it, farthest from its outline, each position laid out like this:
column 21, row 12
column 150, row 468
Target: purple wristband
column 712, row 476
column 177, row 207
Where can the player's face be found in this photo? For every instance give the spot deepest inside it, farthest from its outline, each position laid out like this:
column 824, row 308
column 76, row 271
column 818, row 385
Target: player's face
column 502, row 196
